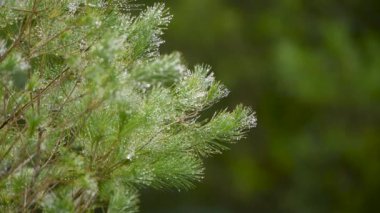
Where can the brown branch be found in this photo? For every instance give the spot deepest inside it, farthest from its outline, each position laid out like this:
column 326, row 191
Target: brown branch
column 16, row 42
column 35, row 49
column 26, row 11
column 19, row 111
column 25, row 23
column 19, row 166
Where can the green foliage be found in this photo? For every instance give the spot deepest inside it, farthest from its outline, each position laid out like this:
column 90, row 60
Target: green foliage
column 312, row 70
column 91, row 112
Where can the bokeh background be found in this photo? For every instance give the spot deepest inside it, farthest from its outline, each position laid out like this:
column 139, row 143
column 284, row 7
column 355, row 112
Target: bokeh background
column 311, row 71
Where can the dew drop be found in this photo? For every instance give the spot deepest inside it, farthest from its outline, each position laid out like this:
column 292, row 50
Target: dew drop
column 98, row 23
column 130, row 156
column 72, row 7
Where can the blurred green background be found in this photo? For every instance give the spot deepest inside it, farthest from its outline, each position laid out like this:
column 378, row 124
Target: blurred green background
column 311, row 71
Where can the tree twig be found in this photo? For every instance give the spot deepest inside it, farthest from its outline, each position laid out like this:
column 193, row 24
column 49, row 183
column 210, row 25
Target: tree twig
column 19, row 111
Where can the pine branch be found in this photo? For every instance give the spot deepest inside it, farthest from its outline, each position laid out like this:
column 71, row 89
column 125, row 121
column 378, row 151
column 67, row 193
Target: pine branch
column 19, row 111
column 93, row 112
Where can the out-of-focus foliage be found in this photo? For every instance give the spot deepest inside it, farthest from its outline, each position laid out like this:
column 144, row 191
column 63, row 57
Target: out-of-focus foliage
column 312, row 71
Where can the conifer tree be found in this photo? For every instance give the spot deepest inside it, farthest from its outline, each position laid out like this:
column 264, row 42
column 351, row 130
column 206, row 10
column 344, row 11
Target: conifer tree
column 91, row 112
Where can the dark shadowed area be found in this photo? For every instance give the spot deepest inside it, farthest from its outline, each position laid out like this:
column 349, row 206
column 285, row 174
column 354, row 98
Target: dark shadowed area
column 311, row 71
